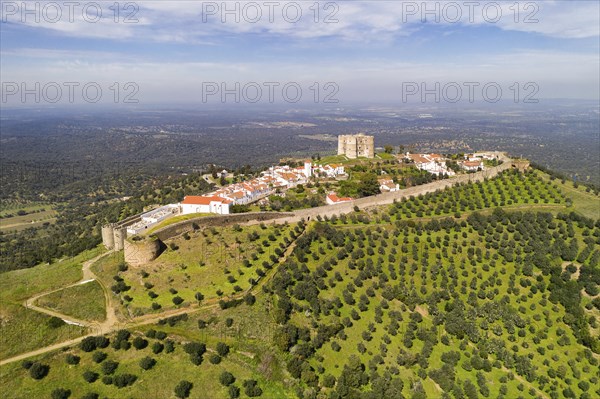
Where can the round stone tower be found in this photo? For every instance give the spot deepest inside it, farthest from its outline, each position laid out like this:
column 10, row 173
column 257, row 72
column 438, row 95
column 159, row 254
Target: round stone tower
column 108, row 238
column 120, row 233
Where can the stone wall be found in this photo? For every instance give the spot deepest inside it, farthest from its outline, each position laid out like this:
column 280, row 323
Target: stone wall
column 187, row 226
column 139, row 252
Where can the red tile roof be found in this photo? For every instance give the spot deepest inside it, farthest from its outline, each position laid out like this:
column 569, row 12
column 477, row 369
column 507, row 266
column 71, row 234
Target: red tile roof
column 202, row 200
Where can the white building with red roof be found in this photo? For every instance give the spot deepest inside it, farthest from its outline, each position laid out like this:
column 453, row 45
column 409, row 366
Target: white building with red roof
column 332, row 199
column 204, row 204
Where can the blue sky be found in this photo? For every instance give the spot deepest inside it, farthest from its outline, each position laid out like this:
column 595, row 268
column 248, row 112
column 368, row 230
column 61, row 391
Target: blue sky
column 370, row 50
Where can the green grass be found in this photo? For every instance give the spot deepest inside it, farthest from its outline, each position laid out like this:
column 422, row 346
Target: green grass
column 23, row 330
column 84, row 302
column 588, row 204
column 249, row 358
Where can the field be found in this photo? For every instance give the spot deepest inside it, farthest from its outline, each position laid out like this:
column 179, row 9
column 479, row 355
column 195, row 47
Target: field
column 19, row 218
column 84, row 302
column 18, row 322
column 483, row 290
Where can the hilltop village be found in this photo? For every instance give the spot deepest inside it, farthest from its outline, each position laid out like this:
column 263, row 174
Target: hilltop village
column 328, row 178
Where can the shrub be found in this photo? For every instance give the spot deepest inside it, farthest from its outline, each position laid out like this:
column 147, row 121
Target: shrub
column 169, row 346
column 60, row 393
column 182, row 390
column 147, row 363
column 214, row 358
column 27, row 364
column 151, row 333
column 156, row 306
column 102, row 341
column 90, row 376
column 123, row 380
column 194, row 348
column 226, row 378
column 37, row 371
column 88, row 344
column 157, row 347
column 201, row 324
column 72, row 359
column 251, row 388
column 55, row 322
column 99, row 356
column 233, row 391
column 161, row 335
column 222, row 349
column 229, row 322
column 177, row 300
column 139, row 343
column 90, row 395
column 109, row 367
column 107, row 380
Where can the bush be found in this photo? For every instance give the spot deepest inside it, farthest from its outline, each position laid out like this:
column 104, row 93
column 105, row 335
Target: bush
column 27, row 364
column 99, row 356
column 214, row 358
column 60, row 393
column 147, row 363
column 90, row 376
column 107, row 380
column 109, row 367
column 226, row 378
column 88, row 344
column 229, row 322
column 151, row 333
column 102, row 341
column 249, row 299
column 157, row 347
column 234, row 392
column 72, row 359
column 169, row 346
column 37, row 371
column 90, row 395
column 123, row 380
column 55, row 322
column 194, row 348
column 161, row 335
column 251, row 388
column 177, row 300
column 201, row 324
column 222, row 349
column 182, row 390
column 139, row 343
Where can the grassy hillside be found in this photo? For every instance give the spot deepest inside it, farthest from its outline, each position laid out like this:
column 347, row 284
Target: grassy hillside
column 485, row 290
column 84, row 302
column 17, row 322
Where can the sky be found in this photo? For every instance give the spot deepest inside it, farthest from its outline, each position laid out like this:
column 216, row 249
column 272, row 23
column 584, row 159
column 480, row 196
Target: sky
column 298, row 52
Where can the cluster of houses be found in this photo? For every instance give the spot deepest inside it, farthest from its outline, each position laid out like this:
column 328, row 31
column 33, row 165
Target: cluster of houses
column 436, row 163
column 247, row 192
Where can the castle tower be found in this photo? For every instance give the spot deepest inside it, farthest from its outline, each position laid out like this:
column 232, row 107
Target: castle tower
column 108, row 238
column 356, row 146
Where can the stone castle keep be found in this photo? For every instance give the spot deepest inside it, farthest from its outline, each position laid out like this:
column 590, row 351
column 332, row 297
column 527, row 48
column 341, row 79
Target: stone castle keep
column 354, row 146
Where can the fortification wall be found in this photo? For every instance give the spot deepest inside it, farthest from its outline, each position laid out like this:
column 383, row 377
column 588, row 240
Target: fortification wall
column 139, row 253
column 108, row 236
column 220, row 220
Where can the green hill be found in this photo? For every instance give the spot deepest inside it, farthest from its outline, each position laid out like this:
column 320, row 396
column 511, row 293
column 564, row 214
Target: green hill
column 484, row 290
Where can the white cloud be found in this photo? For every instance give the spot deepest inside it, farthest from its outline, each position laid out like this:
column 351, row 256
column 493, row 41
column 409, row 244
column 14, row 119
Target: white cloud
column 193, row 21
